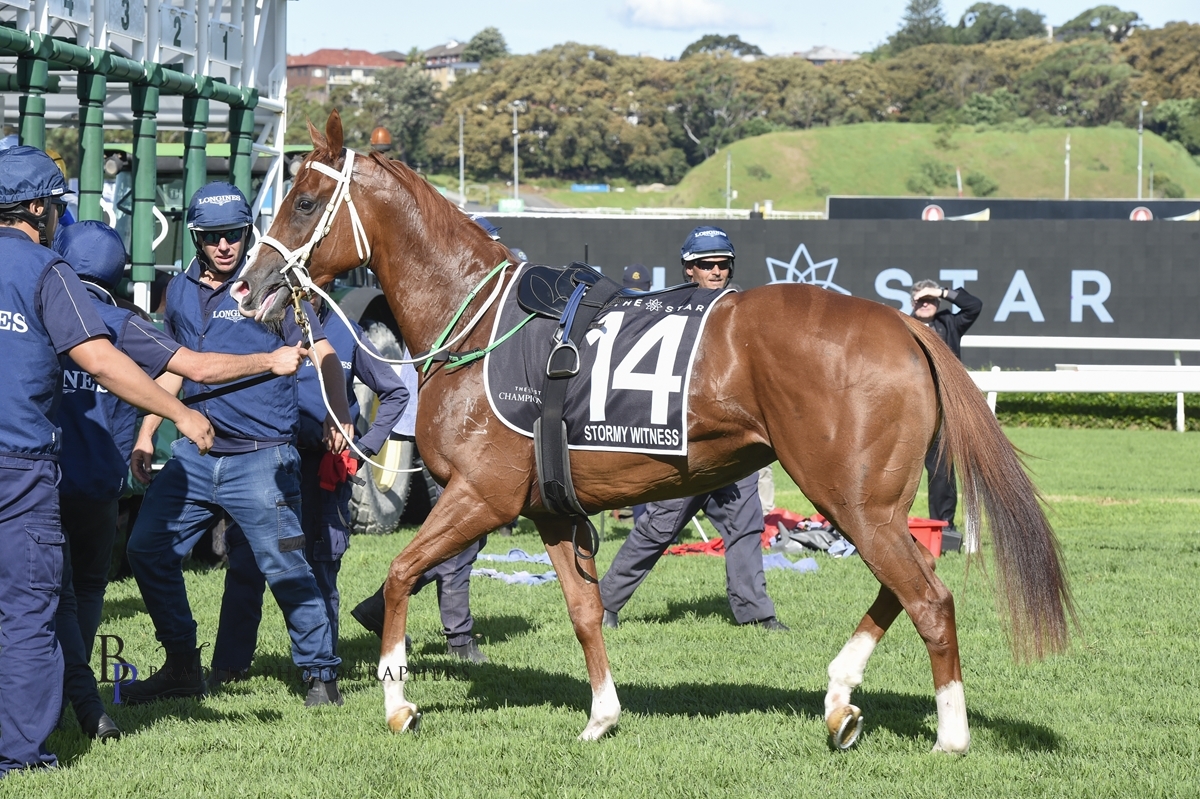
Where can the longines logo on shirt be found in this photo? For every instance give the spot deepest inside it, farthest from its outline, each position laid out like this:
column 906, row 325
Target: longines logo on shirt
column 229, row 315
column 13, row 321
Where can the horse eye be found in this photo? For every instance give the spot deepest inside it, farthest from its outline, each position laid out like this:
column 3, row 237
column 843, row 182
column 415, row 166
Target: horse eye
column 305, row 205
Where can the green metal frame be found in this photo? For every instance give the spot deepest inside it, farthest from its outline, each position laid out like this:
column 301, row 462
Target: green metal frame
column 38, row 54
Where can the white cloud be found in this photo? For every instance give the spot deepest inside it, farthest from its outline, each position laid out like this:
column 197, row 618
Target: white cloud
column 680, row 15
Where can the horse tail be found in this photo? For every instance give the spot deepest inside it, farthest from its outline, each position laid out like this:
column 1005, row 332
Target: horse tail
column 1033, row 583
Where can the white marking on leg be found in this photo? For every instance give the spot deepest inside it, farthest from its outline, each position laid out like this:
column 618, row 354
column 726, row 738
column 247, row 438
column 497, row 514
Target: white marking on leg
column 393, row 672
column 606, row 709
column 953, row 735
column 846, row 670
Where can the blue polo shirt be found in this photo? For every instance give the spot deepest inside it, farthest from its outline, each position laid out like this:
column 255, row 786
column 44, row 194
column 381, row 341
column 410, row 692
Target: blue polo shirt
column 381, row 378
column 44, row 311
column 207, row 319
column 98, row 429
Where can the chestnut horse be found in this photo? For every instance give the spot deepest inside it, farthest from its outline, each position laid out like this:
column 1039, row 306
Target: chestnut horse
column 879, row 385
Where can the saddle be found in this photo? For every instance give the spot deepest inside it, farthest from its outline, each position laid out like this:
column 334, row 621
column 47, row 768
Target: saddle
column 574, row 295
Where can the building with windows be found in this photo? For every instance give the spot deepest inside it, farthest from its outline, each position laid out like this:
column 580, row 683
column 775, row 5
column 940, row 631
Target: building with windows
column 820, row 56
column 445, row 63
column 319, row 70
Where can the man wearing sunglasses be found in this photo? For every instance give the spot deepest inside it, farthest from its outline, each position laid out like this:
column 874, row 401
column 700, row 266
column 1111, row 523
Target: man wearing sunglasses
column 252, row 472
column 926, row 298
column 735, row 510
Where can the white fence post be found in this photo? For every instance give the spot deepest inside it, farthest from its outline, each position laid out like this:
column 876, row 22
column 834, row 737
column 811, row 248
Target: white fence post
column 992, row 394
column 1180, row 423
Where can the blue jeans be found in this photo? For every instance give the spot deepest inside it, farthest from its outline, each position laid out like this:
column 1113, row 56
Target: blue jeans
column 31, row 563
column 261, row 492
column 325, row 519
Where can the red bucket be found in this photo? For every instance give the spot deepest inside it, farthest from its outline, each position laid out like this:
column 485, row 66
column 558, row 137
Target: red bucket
column 928, row 533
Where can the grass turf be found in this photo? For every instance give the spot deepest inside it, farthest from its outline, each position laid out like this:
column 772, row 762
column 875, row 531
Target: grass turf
column 710, row 708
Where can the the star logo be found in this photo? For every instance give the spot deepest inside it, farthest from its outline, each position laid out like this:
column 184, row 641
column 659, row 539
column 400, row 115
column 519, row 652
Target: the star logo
column 653, row 305
column 814, row 274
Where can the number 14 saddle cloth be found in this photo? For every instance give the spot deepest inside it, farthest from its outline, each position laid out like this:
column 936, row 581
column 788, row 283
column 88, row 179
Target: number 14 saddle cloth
column 635, row 364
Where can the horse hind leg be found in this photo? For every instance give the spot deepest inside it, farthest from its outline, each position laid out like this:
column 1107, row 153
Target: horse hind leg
column 586, row 611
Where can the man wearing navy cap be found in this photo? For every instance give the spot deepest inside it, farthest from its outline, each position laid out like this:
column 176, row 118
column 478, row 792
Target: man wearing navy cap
column 44, row 312
column 252, row 473
column 707, row 257
column 637, row 277
column 97, row 437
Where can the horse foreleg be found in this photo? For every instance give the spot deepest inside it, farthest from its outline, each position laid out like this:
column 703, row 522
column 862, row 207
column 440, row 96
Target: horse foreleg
column 458, row 518
column 586, row 611
column 843, row 719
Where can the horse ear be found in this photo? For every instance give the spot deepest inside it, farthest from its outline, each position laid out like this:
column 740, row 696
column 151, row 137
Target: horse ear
column 318, row 140
column 333, row 132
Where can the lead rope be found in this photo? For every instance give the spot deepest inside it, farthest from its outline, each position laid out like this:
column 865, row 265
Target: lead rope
column 306, row 329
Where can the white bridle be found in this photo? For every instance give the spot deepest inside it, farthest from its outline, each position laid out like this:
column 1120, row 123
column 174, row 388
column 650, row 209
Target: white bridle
column 295, row 261
column 295, row 268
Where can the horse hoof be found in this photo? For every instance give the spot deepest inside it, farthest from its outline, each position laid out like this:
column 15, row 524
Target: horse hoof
column 845, row 724
column 406, row 719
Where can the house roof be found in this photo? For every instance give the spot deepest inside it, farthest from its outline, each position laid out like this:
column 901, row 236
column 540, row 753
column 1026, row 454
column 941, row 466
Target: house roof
column 329, row 57
column 451, row 47
column 823, row 53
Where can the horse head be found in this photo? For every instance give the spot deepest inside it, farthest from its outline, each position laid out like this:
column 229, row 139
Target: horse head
column 306, row 225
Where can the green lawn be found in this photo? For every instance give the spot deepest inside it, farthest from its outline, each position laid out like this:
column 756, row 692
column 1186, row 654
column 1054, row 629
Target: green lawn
column 797, row 169
column 712, row 709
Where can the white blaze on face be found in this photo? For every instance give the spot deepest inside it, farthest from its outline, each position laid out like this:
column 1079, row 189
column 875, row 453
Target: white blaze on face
column 953, row 734
column 846, row 670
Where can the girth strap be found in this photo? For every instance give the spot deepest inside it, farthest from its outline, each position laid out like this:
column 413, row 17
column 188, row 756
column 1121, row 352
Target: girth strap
column 550, row 431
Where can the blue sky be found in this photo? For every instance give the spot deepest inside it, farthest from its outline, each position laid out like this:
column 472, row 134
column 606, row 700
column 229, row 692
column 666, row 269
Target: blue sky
column 653, row 27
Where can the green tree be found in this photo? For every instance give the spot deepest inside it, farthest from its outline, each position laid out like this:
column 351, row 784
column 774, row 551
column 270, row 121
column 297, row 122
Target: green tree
column 484, row 46
column 712, row 103
column 1178, row 120
column 991, row 22
column 1080, row 84
column 716, row 44
column 406, row 103
column 1110, row 22
column 923, row 22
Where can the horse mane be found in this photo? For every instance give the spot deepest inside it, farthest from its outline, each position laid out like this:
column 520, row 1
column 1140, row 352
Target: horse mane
column 444, row 214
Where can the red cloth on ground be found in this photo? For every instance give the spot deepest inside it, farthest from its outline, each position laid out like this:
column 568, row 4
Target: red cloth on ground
column 336, row 469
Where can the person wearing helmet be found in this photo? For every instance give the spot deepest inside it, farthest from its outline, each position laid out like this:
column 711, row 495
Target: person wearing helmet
column 252, row 472
column 325, row 485
column 97, row 437
column 735, row 510
column 44, row 313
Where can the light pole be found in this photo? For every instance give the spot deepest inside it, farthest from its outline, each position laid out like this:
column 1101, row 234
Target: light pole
column 1067, row 175
column 462, row 183
column 516, row 105
column 1141, row 109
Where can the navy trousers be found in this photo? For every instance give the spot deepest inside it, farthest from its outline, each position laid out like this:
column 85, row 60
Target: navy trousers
column 737, row 514
column 31, row 664
column 943, row 493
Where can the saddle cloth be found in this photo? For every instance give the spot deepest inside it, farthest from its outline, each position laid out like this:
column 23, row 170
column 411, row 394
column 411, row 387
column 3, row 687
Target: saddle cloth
column 635, row 364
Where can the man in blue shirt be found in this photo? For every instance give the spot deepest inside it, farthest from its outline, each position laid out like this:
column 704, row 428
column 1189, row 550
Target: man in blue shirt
column 252, row 473
column 44, row 312
column 326, row 511
column 97, row 437
column 707, row 256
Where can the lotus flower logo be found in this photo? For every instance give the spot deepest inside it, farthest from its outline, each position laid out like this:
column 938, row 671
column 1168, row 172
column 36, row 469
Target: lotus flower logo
column 814, row 274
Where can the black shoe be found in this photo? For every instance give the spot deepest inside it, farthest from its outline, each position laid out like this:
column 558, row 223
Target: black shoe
column 468, row 651
column 369, row 613
column 322, row 693
column 610, row 620
column 773, row 624
column 106, row 730
column 220, row 677
column 181, row 675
